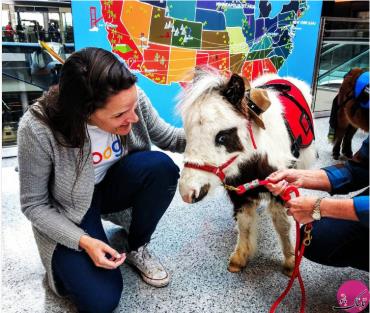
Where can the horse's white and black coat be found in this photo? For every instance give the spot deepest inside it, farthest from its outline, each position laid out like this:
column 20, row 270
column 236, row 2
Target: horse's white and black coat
column 216, row 124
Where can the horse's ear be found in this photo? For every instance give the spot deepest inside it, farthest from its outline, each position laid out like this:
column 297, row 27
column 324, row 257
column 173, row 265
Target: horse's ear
column 234, row 89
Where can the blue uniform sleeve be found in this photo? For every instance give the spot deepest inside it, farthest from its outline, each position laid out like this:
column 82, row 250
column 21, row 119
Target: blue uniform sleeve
column 340, row 178
column 361, row 204
column 352, row 175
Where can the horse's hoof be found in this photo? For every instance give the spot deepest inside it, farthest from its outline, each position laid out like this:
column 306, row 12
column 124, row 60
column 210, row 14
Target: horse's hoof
column 288, row 271
column 288, row 266
column 237, row 262
column 234, row 268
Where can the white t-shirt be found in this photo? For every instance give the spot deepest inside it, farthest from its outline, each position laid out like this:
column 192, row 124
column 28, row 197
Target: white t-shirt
column 106, row 149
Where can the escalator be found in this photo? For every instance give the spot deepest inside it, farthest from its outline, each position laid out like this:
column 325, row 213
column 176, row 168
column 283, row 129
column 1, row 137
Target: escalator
column 345, row 45
column 27, row 71
column 339, row 59
column 29, row 63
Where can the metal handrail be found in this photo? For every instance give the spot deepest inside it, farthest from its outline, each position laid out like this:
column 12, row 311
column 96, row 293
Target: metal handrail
column 332, row 49
column 347, row 19
column 345, row 30
column 359, row 43
column 5, row 105
column 22, row 80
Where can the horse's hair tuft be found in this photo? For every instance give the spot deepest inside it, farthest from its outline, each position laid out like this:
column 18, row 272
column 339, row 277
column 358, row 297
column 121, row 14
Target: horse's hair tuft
column 206, row 82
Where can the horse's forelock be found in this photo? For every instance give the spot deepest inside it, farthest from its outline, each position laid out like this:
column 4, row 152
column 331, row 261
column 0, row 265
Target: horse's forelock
column 204, row 86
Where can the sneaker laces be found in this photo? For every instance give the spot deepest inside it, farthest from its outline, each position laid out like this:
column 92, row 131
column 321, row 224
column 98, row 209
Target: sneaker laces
column 145, row 252
column 152, row 263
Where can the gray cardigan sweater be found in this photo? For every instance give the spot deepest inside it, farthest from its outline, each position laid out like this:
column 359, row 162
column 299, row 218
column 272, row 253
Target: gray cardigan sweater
column 47, row 172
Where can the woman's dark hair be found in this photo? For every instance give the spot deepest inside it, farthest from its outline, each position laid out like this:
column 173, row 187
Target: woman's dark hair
column 88, row 78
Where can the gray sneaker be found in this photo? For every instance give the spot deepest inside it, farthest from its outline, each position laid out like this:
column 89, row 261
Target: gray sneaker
column 151, row 269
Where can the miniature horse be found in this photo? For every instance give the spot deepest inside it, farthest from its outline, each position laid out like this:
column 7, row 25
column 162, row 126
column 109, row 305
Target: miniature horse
column 340, row 123
column 243, row 140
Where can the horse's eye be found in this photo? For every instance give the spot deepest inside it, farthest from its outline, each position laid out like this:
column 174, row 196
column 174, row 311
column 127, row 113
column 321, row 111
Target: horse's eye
column 221, row 139
column 229, row 139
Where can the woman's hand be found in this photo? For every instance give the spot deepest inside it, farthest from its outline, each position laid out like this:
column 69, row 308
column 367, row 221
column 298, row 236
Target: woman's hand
column 308, row 179
column 301, row 209
column 278, row 188
column 98, row 250
column 291, row 176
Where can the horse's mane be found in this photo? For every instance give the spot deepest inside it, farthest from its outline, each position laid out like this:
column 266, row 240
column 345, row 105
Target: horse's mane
column 206, row 81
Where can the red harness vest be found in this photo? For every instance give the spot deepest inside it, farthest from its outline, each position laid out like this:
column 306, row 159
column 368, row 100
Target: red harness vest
column 297, row 113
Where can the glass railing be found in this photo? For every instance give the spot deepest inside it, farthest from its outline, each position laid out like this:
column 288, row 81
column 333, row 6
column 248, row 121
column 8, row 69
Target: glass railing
column 344, row 45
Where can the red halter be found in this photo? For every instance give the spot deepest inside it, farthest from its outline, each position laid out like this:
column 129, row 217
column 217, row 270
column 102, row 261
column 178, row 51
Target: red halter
column 217, row 170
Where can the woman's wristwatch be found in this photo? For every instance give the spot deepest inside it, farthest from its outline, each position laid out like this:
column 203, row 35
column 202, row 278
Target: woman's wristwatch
column 316, row 213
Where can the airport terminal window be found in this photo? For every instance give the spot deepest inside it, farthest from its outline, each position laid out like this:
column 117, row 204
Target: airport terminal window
column 31, row 24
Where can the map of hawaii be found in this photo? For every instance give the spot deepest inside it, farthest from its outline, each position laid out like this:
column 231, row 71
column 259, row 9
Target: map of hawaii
column 164, row 40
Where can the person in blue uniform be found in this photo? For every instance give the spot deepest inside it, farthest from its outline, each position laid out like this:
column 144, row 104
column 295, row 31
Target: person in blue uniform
column 340, row 226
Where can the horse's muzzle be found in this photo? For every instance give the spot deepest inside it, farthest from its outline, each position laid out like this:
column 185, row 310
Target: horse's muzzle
column 191, row 197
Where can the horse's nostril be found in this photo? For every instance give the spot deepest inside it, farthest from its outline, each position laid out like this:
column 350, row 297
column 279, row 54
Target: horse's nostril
column 193, row 198
column 203, row 192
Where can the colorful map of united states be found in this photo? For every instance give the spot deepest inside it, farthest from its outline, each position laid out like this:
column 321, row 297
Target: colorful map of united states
column 165, row 40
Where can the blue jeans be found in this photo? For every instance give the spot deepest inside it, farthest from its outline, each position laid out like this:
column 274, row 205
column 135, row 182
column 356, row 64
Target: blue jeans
column 145, row 181
column 339, row 243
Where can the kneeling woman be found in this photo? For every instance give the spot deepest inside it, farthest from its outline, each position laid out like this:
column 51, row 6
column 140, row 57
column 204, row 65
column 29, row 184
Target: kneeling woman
column 84, row 150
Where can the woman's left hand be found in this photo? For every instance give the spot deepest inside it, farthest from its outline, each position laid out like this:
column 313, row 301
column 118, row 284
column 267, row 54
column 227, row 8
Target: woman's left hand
column 301, row 209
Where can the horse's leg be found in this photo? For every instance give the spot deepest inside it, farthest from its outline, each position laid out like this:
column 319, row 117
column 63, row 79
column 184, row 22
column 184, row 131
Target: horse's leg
column 339, row 134
column 247, row 238
column 333, row 120
column 347, row 141
column 283, row 226
column 342, row 124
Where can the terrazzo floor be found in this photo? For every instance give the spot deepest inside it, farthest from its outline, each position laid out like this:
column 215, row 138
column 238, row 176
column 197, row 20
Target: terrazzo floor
column 194, row 242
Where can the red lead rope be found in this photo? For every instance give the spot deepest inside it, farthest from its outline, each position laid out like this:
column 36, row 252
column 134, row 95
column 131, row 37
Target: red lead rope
column 299, row 248
column 298, row 253
column 286, row 196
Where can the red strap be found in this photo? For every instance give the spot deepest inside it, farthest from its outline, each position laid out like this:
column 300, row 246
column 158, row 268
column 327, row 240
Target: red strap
column 212, row 169
column 208, row 168
column 223, row 166
column 288, row 190
column 296, row 274
column 251, row 135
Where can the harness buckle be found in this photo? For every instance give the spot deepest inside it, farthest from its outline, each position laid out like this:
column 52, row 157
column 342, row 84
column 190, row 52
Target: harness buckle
column 229, row 187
